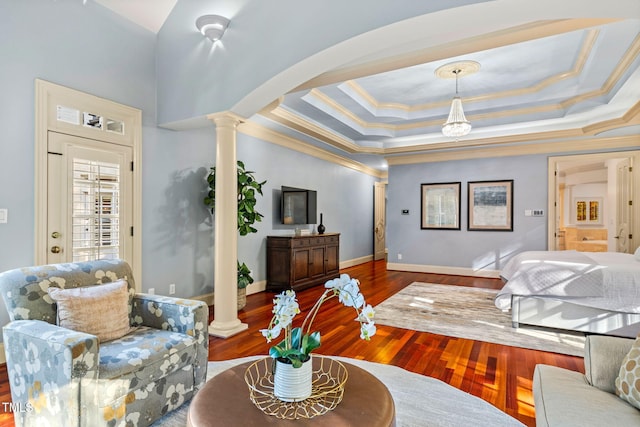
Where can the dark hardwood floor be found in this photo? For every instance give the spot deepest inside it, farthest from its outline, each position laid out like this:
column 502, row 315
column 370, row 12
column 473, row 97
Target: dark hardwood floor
column 499, row 374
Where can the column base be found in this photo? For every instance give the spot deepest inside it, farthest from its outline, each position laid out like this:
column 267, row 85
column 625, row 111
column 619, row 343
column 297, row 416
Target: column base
column 226, row 329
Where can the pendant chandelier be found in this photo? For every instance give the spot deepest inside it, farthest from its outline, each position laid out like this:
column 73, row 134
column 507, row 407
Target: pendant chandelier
column 457, row 124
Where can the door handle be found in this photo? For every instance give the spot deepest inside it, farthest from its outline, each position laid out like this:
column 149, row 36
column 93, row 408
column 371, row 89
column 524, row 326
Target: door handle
column 55, row 249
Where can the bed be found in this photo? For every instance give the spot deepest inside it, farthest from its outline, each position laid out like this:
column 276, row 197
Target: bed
column 593, row 292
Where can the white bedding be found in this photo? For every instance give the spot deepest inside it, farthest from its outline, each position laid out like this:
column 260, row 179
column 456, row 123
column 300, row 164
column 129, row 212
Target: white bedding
column 606, row 280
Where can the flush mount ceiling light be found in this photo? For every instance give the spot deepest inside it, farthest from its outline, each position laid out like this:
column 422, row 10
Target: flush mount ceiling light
column 212, row 26
column 457, row 125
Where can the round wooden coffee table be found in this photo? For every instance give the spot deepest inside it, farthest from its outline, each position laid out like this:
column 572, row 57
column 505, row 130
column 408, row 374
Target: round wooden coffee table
column 224, row 401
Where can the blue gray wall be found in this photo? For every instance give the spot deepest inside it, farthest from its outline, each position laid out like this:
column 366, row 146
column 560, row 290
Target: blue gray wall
column 91, row 49
column 178, row 229
column 477, row 250
column 345, row 197
column 62, row 42
column 264, row 39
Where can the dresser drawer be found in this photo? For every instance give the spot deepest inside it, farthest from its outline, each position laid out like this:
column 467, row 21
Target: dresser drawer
column 300, row 243
column 331, row 239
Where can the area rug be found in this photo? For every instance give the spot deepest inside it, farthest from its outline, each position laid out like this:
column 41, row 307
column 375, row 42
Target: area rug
column 419, row 400
column 470, row 313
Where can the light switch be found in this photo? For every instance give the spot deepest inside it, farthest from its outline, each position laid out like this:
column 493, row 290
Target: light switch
column 4, row 213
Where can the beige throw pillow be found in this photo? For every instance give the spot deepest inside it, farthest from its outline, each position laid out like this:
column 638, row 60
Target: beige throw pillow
column 101, row 310
column 628, row 380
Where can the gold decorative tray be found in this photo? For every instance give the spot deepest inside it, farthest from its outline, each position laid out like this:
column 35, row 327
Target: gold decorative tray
column 328, row 380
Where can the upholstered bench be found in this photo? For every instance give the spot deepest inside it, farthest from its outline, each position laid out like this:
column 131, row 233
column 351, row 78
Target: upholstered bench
column 419, row 400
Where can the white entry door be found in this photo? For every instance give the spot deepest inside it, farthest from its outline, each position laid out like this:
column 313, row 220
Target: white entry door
column 624, row 208
column 379, row 219
column 89, row 199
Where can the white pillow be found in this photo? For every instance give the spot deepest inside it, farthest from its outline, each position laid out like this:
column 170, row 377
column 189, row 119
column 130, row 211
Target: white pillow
column 637, row 253
column 100, row 310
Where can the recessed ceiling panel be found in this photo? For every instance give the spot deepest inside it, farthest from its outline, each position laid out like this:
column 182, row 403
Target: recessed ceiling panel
column 546, row 83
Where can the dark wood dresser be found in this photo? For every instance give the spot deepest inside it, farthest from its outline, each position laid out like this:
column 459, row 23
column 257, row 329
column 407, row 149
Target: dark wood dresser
column 298, row 262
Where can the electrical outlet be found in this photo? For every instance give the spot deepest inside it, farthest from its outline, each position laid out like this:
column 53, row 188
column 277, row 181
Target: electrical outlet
column 399, row 256
column 152, row 291
column 172, row 289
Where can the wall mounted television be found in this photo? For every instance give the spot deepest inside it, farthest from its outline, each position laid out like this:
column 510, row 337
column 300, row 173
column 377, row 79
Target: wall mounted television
column 298, row 206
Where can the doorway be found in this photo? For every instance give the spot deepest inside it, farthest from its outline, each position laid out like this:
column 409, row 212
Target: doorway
column 87, row 178
column 379, row 221
column 89, row 200
column 590, row 202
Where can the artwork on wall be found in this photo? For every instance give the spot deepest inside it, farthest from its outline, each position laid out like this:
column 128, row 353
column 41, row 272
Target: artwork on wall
column 440, row 206
column 490, row 206
column 588, row 210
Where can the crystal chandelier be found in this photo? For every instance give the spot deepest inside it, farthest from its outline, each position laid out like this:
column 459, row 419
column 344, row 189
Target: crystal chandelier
column 457, row 124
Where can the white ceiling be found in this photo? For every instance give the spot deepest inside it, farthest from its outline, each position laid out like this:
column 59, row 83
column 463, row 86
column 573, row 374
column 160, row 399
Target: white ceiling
column 568, row 80
column 542, row 81
column 149, row 14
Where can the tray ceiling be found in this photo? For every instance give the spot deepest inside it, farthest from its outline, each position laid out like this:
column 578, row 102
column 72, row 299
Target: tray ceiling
column 575, row 83
column 539, row 82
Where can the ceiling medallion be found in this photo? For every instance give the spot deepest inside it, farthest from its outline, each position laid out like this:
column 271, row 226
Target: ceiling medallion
column 456, row 125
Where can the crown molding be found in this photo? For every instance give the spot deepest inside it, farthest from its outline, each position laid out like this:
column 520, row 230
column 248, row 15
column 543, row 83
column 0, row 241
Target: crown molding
column 617, row 73
column 281, row 116
column 578, row 66
column 551, row 147
column 226, row 115
column 631, row 117
column 300, row 124
column 258, row 131
column 513, row 35
column 577, row 144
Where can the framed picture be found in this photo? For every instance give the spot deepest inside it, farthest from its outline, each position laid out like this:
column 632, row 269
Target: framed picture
column 587, row 210
column 440, row 206
column 490, row 206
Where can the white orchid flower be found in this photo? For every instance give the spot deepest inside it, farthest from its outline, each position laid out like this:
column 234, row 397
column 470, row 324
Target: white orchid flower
column 367, row 314
column 367, row 330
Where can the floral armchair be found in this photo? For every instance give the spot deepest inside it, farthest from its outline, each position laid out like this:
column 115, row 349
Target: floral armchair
column 63, row 377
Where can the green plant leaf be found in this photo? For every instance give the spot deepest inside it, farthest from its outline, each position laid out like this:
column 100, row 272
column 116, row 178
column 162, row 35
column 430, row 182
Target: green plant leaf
column 296, row 335
column 295, row 361
column 310, row 342
column 248, row 186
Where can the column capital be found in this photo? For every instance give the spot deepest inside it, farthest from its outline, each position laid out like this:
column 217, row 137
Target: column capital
column 226, row 119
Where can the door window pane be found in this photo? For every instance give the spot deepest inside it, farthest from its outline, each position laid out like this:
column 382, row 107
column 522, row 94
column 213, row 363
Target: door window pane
column 95, row 218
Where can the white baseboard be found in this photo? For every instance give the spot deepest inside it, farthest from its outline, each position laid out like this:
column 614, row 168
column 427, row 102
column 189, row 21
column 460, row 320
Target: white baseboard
column 438, row 269
column 253, row 288
column 261, row 286
column 256, row 287
column 356, row 261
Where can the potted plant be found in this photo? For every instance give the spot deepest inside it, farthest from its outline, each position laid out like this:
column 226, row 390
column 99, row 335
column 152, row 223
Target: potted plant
column 292, row 366
column 244, row 280
column 248, row 187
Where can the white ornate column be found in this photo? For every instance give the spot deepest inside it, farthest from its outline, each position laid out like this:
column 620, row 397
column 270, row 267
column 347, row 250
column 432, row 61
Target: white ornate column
column 226, row 322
